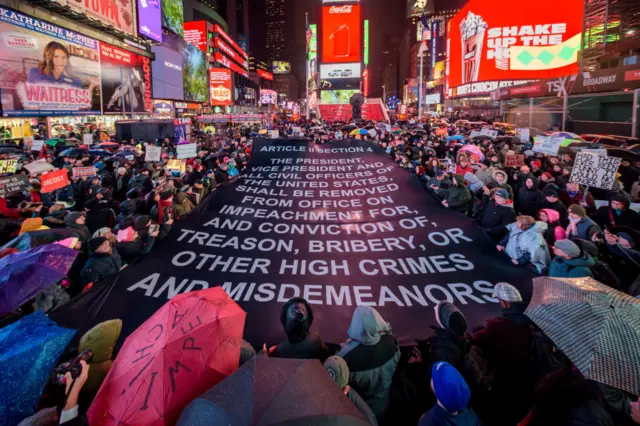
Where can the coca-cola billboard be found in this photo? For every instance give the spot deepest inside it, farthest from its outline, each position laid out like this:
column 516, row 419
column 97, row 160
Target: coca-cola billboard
column 341, row 33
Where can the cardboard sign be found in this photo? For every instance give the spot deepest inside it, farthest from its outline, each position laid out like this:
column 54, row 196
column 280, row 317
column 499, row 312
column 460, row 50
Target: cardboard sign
column 153, row 154
column 274, row 134
column 602, row 152
column 488, row 132
column 597, row 171
column 176, row 168
column 547, row 145
column 37, row 145
column 37, row 167
column 475, row 134
column 12, row 184
column 187, row 150
column 525, row 135
column 8, row 166
column 87, row 139
column 442, row 132
column 54, row 180
column 516, row 160
column 79, row 172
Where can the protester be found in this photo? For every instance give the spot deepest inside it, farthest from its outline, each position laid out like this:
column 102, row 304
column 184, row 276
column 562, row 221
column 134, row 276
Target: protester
column 569, row 261
column 495, row 216
column 554, row 231
column 525, row 244
column 457, row 196
column 580, row 225
column 103, row 261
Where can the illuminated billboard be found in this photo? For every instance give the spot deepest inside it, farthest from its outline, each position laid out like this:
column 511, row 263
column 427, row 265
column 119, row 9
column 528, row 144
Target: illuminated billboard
column 333, row 97
column 501, row 39
column 172, row 12
column 281, row 67
column 195, row 32
column 118, row 15
column 330, row 71
column 268, row 96
column 223, row 60
column 341, row 33
column 220, row 88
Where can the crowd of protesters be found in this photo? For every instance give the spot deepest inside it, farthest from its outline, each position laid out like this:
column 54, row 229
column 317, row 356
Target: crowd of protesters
column 504, row 373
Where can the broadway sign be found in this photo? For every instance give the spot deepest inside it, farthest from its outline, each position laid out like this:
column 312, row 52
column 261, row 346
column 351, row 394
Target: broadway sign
column 340, row 225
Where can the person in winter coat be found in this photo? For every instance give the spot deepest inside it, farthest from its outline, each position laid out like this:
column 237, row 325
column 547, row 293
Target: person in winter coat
column 440, row 181
column 574, row 194
column 449, row 343
column 76, row 221
column 458, row 196
column 501, row 179
column 625, row 260
column 552, row 201
column 554, row 231
column 296, row 317
column 569, row 261
column 102, row 262
column 617, row 213
column 182, row 205
column 199, row 191
column 162, row 211
column 339, row 371
column 98, row 215
column 131, row 246
column 453, row 396
column 485, row 173
column 525, row 244
column 529, row 199
column 580, row 225
column 101, row 341
column 463, row 166
column 497, row 214
column 372, row 354
column 121, row 184
column 505, row 341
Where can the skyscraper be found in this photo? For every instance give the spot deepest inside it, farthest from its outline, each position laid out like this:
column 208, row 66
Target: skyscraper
column 276, row 28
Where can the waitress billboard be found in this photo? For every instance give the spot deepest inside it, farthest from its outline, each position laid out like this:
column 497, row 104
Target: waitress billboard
column 46, row 70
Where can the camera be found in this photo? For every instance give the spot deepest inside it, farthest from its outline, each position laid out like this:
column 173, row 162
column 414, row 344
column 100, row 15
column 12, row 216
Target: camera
column 73, row 366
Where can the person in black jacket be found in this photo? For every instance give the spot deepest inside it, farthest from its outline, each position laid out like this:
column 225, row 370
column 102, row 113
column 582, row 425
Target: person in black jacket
column 529, row 198
column 98, row 215
column 552, row 201
column 617, row 213
column 449, row 342
column 136, row 247
column 76, row 221
column 102, row 262
column 497, row 214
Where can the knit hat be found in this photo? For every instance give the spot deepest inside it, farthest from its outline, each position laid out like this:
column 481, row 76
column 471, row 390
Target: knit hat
column 577, row 209
column 536, row 163
column 449, row 317
column 166, row 194
column 95, row 243
column 502, row 193
column 450, row 388
column 627, row 237
column 547, row 175
column 551, row 193
column 440, row 172
column 569, row 247
column 338, row 370
column 506, row 292
column 101, row 232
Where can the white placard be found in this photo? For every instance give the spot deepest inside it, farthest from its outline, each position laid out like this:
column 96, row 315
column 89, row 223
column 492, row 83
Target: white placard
column 274, row 134
column 37, row 145
column 525, row 135
column 153, row 153
column 187, row 150
column 547, row 145
column 599, row 152
column 40, row 166
column 387, row 128
column 475, row 134
column 597, row 171
column 296, row 129
column 87, row 139
column 488, row 132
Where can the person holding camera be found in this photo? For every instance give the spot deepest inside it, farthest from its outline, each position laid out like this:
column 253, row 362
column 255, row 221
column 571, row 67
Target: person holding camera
column 70, row 411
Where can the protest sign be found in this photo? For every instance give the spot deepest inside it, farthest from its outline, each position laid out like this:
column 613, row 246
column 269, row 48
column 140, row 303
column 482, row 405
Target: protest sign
column 516, row 160
column 187, row 150
column 54, row 180
column 387, row 128
column 547, row 145
column 13, row 183
column 474, row 134
column 274, row 134
column 595, row 170
column 296, row 130
column 37, row 167
column 8, row 166
column 79, row 172
column 525, row 135
column 87, row 139
column 488, row 132
column 340, row 225
column 37, row 145
column 153, row 154
column 594, row 151
column 176, row 168
column 442, row 132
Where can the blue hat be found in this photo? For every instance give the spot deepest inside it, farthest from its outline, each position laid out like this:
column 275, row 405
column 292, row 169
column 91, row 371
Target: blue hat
column 450, row 388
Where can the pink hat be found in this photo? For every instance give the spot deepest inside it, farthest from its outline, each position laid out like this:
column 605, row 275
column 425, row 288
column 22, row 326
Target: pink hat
column 125, row 235
column 68, row 242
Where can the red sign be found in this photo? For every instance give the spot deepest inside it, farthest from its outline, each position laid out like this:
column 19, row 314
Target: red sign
column 217, row 28
column 146, row 73
column 221, row 59
column 265, row 75
column 220, row 89
column 116, row 14
column 507, row 40
column 229, row 51
column 195, row 32
column 632, row 75
column 341, row 33
column 54, row 180
column 84, row 171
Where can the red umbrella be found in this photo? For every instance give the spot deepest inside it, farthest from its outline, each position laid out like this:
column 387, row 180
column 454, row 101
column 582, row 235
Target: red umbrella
column 188, row 346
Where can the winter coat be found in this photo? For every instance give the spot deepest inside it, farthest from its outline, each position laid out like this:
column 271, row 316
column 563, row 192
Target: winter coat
column 312, row 347
column 504, row 185
column 571, row 268
column 99, row 216
column 131, row 250
column 494, row 218
column 372, row 355
column 100, row 266
column 182, row 205
column 585, row 229
column 569, row 199
column 559, row 207
column 554, row 231
column 442, row 184
column 458, row 196
column 362, row 406
column 474, row 183
column 607, row 218
column 527, row 247
column 486, row 175
column 438, row 416
column 529, row 200
column 446, row 346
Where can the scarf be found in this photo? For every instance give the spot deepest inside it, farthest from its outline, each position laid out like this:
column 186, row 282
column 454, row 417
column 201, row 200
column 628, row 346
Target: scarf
column 573, row 227
column 162, row 204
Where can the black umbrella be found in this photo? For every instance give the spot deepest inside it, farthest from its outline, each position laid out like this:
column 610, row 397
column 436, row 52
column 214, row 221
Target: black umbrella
column 482, row 138
column 274, row 391
column 349, row 127
column 624, row 154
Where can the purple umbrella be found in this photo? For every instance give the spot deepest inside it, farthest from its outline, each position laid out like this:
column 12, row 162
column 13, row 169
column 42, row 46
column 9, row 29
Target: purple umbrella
column 25, row 274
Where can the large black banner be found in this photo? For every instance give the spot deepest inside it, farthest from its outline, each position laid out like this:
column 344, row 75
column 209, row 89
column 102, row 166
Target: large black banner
column 338, row 224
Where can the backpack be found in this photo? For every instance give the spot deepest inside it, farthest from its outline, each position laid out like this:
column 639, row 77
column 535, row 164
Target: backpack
column 545, row 355
column 478, row 368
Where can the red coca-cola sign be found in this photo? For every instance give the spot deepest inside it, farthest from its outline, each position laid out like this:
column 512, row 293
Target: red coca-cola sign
column 340, row 9
column 341, row 34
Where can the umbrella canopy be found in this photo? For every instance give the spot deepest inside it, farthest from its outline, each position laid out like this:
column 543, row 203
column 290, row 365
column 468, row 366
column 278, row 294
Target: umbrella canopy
column 186, row 347
column 25, row 274
column 29, row 350
column 482, row 138
column 274, row 391
column 72, row 152
column 100, row 152
column 364, row 132
column 595, row 326
column 474, row 151
column 353, row 132
column 54, row 142
column 33, row 239
column 566, row 135
column 108, row 145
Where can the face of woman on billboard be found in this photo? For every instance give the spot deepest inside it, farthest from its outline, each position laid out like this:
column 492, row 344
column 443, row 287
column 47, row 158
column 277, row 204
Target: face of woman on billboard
column 59, row 60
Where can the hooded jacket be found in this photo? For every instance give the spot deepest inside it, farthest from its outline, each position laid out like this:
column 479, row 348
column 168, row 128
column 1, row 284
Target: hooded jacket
column 372, row 355
column 81, row 231
column 585, row 228
column 494, row 218
column 607, row 217
column 528, row 246
column 504, row 184
column 100, row 266
column 457, row 196
column 572, row 268
column 529, row 200
column 560, row 208
column 296, row 317
column 554, row 231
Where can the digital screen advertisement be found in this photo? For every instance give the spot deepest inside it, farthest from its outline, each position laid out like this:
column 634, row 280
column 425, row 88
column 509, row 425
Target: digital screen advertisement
column 194, row 73
column 220, row 86
column 333, row 97
column 116, row 14
column 166, row 70
column 265, row 75
column 218, row 29
column 195, row 32
column 223, row 60
column 341, row 33
column 502, row 40
column 47, row 70
column 124, row 81
column 330, row 71
column 150, row 19
column 281, row 67
column 268, row 96
column 172, row 16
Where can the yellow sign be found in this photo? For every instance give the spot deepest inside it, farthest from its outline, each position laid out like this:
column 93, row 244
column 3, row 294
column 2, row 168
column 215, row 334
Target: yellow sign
column 8, row 166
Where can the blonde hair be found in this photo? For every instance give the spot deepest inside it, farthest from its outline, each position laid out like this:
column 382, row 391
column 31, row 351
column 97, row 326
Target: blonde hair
column 526, row 221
